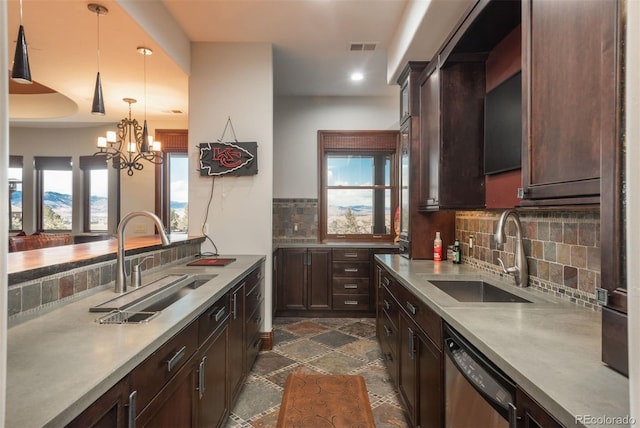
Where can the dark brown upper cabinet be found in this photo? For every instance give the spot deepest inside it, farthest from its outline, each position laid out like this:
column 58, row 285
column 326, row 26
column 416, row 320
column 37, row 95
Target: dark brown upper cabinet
column 569, row 71
column 451, row 136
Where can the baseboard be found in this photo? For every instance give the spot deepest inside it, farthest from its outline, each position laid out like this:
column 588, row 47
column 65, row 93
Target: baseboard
column 267, row 340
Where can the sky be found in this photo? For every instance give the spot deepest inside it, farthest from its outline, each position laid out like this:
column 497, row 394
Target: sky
column 179, row 179
column 351, row 171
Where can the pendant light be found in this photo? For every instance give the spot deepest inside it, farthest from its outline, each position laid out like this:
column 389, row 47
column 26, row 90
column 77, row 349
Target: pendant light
column 97, row 107
column 21, row 73
column 146, row 141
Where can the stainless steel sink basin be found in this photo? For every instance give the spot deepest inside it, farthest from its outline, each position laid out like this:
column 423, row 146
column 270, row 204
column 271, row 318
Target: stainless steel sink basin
column 141, row 304
column 476, row 291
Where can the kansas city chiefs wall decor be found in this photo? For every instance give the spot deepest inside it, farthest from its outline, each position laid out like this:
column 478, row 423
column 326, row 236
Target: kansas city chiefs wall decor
column 228, row 158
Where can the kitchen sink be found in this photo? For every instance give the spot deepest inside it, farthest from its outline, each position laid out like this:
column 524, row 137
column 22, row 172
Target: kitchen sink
column 476, row 291
column 142, row 304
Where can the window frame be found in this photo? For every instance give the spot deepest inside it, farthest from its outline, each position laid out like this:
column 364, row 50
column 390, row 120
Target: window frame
column 17, row 161
column 356, row 143
column 87, row 164
column 49, row 163
column 173, row 141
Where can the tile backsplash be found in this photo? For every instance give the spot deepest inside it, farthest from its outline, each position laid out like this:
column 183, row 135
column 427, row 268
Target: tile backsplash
column 295, row 220
column 562, row 249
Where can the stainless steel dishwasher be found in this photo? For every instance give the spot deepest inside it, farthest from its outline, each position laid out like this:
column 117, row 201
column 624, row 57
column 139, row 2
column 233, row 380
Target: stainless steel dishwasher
column 477, row 393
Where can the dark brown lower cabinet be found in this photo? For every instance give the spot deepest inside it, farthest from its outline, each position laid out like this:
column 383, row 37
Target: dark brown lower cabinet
column 109, row 411
column 531, row 414
column 304, row 280
column 236, row 341
column 174, row 405
column 212, row 388
column 419, row 383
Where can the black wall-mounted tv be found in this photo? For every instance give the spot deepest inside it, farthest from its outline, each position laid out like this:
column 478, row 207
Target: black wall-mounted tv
column 503, row 126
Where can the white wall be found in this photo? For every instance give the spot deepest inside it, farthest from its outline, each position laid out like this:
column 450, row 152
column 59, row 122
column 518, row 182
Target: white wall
column 4, row 208
column 233, row 80
column 296, row 124
column 633, row 203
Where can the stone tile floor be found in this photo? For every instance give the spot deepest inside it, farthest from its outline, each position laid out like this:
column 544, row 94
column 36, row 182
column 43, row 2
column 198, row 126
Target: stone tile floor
column 317, row 345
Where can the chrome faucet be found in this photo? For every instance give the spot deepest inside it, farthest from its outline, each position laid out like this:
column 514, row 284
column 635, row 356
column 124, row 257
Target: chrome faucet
column 121, row 276
column 520, row 270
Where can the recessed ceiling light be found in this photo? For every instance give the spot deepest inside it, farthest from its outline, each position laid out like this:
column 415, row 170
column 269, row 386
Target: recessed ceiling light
column 357, row 76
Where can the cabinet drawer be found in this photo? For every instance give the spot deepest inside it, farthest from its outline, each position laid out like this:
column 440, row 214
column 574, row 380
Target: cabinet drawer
column 152, row 374
column 351, row 285
column 254, row 322
column 351, row 302
column 389, row 336
column 253, row 348
column 254, row 276
column 390, row 306
column 213, row 318
column 351, row 269
column 254, row 298
column 417, row 310
column 350, row 254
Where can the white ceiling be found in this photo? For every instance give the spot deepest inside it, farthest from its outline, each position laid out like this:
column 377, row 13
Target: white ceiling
column 310, row 39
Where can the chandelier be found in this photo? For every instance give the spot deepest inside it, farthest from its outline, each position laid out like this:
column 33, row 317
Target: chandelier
column 130, row 144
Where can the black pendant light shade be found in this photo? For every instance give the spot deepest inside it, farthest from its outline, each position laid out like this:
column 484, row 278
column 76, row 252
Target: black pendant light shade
column 21, row 73
column 98, row 103
column 144, row 144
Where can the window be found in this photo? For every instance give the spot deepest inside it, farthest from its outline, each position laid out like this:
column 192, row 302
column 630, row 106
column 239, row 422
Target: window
column 15, row 193
column 95, row 184
column 172, row 180
column 54, row 187
column 358, row 185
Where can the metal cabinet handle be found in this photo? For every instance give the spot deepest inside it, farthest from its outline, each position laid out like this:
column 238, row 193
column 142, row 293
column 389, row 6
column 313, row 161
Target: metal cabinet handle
column 386, row 281
column 351, row 302
column 235, row 305
column 387, row 305
column 220, row 314
column 513, row 416
column 258, row 297
column 173, row 361
column 351, row 255
column 411, row 308
column 132, row 409
column 387, row 330
column 412, row 347
column 258, row 320
column 351, row 270
column 201, row 377
column 350, row 286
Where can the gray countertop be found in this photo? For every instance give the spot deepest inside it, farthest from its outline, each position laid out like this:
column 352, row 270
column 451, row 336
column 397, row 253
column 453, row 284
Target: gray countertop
column 550, row 348
column 62, row 361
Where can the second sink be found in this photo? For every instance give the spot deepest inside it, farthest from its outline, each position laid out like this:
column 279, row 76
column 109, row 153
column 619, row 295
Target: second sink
column 476, row 291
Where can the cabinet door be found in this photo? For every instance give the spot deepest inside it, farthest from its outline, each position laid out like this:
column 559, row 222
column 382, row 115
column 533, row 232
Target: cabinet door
column 108, row 411
column 213, row 384
column 407, row 358
column 319, row 279
column 174, row 406
column 430, row 139
column 236, row 341
column 430, row 390
column 292, row 290
column 569, row 100
column 531, row 414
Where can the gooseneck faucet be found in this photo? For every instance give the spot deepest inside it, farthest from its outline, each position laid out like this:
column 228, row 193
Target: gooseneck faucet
column 520, row 270
column 121, row 276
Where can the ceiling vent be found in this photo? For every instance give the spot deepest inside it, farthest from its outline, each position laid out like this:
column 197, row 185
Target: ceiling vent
column 362, row 46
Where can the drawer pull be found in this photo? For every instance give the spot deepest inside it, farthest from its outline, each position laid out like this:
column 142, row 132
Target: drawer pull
column 386, row 281
column 258, row 297
column 219, row 314
column 351, row 270
column 351, row 286
column 176, row 358
column 132, row 409
column 351, row 302
column 411, row 308
column 201, row 377
column 387, row 330
column 257, row 320
column 387, row 305
column 351, row 255
column 388, row 356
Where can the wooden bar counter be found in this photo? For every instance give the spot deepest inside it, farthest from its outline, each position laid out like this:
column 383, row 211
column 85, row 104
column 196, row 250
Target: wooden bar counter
column 28, row 265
